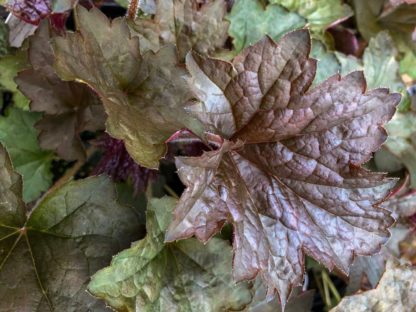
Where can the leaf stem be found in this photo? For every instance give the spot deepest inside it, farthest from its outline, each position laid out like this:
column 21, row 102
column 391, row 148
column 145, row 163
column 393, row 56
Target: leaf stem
column 327, row 296
column 132, row 9
column 68, row 174
column 170, row 191
column 331, row 286
column 318, row 283
column 149, row 191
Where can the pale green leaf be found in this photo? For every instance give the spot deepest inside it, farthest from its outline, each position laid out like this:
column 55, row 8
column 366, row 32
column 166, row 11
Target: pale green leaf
column 184, row 276
column 4, row 39
column 397, row 18
column 320, row 14
column 250, row 21
column 401, row 143
column 10, row 65
column 328, row 64
column 349, row 63
column 380, row 65
column 408, row 64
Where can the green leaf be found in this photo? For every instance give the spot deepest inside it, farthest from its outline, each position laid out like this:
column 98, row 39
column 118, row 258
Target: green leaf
column 366, row 13
column 4, row 39
column 400, row 143
column 374, row 16
column 349, row 63
column 250, row 21
column 184, row 276
column 144, row 97
column 397, row 18
column 320, row 14
column 408, row 64
column 10, row 65
column 46, row 259
column 380, row 66
column 18, row 134
column 123, row 3
column 328, row 64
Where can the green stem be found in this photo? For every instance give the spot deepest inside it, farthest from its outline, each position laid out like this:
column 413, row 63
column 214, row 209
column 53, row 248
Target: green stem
column 171, row 192
column 318, row 284
column 149, row 191
column 331, row 286
column 327, row 296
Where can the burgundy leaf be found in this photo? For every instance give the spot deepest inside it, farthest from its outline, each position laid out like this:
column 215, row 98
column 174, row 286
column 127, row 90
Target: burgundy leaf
column 31, row 11
column 68, row 107
column 58, row 22
column 117, row 163
column 287, row 174
column 346, row 41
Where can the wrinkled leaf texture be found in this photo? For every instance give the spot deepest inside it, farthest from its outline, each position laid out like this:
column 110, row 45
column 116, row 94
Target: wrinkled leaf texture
column 143, row 95
column 185, row 276
column 287, row 171
column 47, row 258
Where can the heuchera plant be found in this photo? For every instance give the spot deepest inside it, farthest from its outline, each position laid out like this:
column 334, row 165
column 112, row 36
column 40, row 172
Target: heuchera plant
column 269, row 130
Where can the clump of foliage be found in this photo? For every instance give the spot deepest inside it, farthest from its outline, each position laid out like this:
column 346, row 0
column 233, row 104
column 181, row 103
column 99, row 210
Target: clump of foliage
column 240, row 134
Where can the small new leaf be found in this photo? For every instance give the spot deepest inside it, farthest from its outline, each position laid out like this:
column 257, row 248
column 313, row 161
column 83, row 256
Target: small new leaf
column 46, row 259
column 287, row 174
column 143, row 96
column 185, row 276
